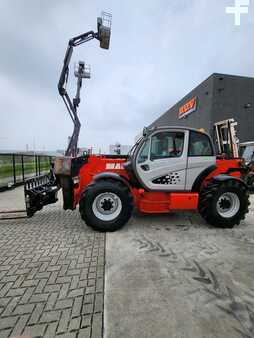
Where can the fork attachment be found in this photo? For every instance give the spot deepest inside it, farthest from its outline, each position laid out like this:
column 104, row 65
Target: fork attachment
column 40, row 191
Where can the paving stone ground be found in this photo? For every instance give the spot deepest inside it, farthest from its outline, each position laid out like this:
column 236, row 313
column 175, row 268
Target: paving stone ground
column 51, row 274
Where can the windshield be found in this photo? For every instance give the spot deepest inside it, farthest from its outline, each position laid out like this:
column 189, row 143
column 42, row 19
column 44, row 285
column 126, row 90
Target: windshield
column 132, row 150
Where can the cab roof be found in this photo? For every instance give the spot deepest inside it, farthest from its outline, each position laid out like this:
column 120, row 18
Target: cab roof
column 151, row 130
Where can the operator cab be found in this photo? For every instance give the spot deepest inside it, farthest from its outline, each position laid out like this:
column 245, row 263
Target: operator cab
column 171, row 158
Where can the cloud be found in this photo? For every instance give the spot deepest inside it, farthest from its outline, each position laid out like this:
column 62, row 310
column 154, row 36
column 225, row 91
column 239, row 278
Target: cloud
column 159, row 51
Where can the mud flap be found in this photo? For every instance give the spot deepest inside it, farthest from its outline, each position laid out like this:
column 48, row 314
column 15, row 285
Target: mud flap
column 40, row 191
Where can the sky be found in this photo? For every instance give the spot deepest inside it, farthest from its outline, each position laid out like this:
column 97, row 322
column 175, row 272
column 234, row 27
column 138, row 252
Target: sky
column 159, row 51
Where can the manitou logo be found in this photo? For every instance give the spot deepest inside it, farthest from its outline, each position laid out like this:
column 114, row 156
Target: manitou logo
column 187, row 108
column 112, row 166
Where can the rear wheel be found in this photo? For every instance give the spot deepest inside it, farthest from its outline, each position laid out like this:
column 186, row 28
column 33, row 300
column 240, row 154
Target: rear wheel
column 106, row 205
column 224, row 204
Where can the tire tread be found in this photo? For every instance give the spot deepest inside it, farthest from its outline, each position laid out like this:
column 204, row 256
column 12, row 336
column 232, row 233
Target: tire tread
column 90, row 192
column 212, row 191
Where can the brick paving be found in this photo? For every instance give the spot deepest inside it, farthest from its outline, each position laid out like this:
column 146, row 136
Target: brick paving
column 51, row 276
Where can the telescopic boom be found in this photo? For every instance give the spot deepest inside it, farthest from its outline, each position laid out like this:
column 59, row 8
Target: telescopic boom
column 103, row 35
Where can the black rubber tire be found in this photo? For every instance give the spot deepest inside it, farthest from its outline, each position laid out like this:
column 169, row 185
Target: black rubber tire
column 210, row 195
column 98, row 187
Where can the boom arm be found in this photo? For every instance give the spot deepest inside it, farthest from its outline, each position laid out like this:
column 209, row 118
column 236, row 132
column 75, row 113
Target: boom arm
column 103, row 35
column 76, row 41
column 72, row 106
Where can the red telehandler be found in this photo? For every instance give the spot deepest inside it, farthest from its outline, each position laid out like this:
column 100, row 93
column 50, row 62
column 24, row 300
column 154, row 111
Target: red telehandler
column 168, row 169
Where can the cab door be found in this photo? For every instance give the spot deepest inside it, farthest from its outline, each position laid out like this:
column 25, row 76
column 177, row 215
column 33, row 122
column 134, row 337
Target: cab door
column 162, row 161
column 201, row 157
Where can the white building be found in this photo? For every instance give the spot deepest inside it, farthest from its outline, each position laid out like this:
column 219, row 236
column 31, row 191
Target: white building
column 119, row 149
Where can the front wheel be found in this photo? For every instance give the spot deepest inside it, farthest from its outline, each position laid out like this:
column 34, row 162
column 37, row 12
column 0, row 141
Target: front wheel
column 106, row 205
column 224, row 204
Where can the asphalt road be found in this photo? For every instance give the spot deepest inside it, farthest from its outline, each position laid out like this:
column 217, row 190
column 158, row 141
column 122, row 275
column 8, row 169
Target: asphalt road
column 175, row 276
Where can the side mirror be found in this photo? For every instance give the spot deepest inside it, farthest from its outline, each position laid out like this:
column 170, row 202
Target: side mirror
column 145, row 131
column 104, row 29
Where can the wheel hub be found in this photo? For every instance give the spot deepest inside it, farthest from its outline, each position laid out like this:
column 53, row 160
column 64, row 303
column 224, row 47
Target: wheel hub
column 107, row 206
column 225, row 203
column 228, row 205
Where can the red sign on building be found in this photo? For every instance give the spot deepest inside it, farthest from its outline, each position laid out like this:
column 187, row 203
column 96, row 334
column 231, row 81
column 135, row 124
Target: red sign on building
column 188, row 108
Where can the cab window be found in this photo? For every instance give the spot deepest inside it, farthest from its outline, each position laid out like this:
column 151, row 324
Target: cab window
column 166, row 145
column 143, row 155
column 248, row 153
column 199, row 145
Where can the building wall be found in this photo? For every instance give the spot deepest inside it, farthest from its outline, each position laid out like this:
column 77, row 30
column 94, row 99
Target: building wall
column 219, row 97
column 201, row 118
column 232, row 95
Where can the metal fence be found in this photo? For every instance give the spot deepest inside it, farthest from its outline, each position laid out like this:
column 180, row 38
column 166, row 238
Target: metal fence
column 15, row 168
